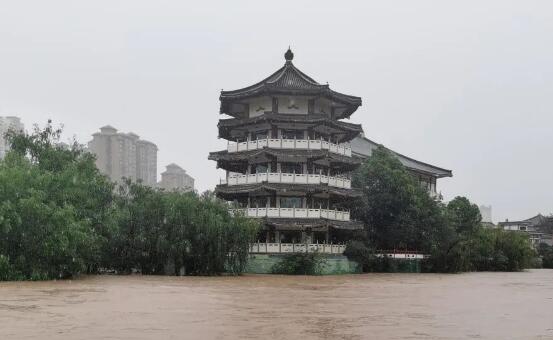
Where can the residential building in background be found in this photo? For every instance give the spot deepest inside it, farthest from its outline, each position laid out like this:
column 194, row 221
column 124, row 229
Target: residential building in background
column 8, row 123
column 176, row 178
column 146, row 162
column 539, row 228
column 121, row 155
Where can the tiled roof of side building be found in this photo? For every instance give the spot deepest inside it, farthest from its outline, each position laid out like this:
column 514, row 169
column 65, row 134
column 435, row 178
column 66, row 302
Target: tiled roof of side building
column 362, row 146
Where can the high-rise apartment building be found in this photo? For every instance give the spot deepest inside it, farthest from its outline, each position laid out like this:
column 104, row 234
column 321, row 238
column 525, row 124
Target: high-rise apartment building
column 121, row 155
column 176, row 177
column 486, row 212
column 6, row 124
column 146, row 160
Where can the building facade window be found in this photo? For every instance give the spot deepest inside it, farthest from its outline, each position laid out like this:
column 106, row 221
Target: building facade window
column 259, row 168
column 260, row 135
column 292, row 134
column 291, row 168
column 291, row 202
column 258, row 202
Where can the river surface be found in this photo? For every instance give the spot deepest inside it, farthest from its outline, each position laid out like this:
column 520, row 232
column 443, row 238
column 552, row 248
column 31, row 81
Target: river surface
column 368, row 306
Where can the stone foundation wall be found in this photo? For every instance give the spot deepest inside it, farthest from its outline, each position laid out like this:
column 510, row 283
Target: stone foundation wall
column 334, row 264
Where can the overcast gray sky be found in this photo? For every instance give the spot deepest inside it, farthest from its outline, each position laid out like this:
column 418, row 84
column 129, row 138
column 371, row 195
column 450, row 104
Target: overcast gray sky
column 465, row 85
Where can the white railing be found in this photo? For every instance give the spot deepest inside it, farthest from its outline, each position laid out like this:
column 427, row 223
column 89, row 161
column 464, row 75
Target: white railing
column 277, row 177
column 322, row 248
column 403, row 256
column 281, row 143
column 336, row 215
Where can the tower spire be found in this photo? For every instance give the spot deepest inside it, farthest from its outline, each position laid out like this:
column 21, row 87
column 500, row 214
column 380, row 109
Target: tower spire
column 289, row 55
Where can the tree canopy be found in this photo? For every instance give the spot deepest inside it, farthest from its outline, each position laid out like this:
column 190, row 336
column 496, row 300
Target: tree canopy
column 400, row 215
column 59, row 216
column 396, row 211
column 56, row 208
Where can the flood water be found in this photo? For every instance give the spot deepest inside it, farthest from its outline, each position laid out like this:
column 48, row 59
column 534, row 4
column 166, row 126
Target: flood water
column 368, row 306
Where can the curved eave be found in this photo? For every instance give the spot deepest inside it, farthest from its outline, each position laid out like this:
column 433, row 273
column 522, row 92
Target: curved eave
column 230, row 191
column 314, row 224
column 352, row 103
column 289, row 80
column 320, row 91
column 232, row 161
column 226, row 125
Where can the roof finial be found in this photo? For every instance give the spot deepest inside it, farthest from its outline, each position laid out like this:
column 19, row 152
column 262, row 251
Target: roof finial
column 289, row 55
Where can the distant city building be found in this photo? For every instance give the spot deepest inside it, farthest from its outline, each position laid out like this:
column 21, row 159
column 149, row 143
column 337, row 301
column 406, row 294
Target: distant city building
column 486, row 212
column 6, row 124
column 176, row 178
column 426, row 174
column 121, row 155
column 537, row 227
column 146, row 162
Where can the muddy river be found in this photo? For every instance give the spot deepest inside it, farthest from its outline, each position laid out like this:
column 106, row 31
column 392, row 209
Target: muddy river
column 369, row 306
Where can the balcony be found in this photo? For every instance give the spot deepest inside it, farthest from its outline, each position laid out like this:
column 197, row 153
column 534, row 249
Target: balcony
column 300, row 144
column 324, row 248
column 277, row 248
column 277, row 177
column 299, row 213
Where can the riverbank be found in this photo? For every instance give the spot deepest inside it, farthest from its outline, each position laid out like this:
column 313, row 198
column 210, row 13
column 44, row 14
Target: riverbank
column 377, row 306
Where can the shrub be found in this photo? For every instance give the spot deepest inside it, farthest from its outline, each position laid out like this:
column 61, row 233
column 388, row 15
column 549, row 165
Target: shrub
column 546, row 253
column 7, row 271
column 300, row 264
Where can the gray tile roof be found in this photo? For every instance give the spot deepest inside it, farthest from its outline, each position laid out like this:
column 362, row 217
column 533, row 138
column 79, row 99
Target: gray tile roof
column 290, row 80
column 363, row 147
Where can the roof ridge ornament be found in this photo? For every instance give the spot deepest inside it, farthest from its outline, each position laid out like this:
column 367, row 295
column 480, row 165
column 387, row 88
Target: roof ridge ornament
column 289, row 55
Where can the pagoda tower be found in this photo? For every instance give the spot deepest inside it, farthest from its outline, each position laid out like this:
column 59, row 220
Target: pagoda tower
column 288, row 160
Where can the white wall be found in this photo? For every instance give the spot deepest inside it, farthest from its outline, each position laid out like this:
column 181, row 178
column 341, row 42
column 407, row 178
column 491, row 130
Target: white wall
column 288, row 104
column 262, row 103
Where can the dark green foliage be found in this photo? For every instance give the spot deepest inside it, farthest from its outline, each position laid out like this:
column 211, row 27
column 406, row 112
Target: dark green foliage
column 361, row 253
column 396, row 211
column 300, row 264
column 55, row 208
column 157, row 228
column 487, row 250
column 464, row 216
column 546, row 253
column 60, row 217
column 398, row 214
column 473, row 248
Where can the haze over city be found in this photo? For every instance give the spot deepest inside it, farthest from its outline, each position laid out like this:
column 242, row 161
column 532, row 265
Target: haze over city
column 464, row 86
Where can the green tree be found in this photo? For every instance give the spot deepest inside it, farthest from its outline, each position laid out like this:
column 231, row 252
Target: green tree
column 398, row 214
column 396, row 211
column 158, row 228
column 546, row 253
column 55, row 210
column 300, row 264
column 464, row 216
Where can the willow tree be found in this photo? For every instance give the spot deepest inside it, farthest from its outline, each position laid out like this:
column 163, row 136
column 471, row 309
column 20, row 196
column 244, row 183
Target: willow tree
column 197, row 233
